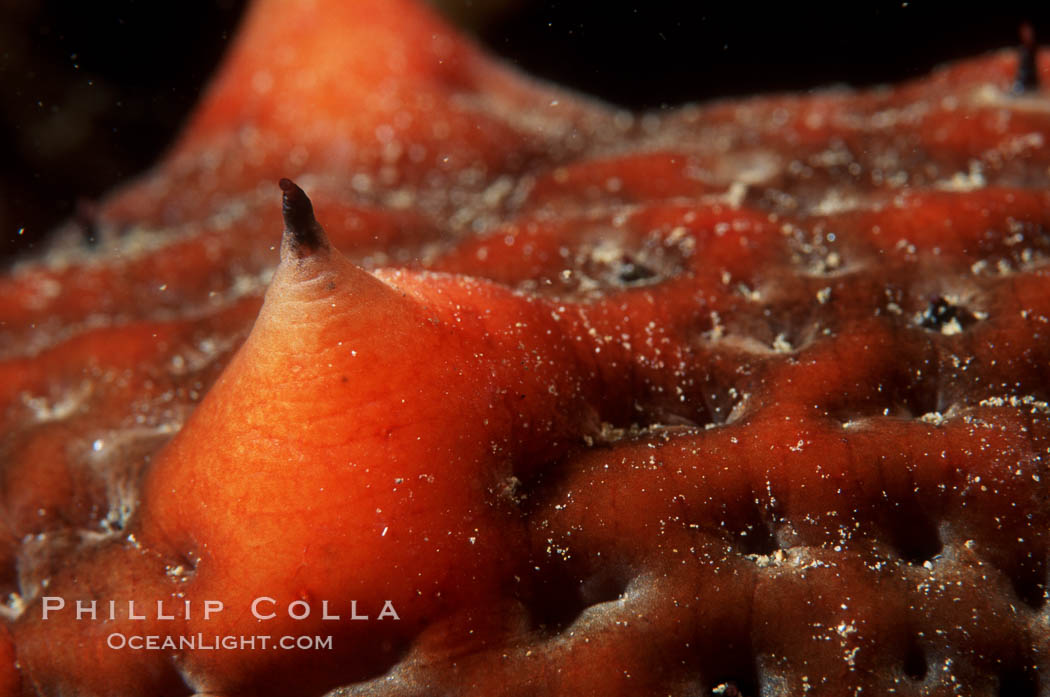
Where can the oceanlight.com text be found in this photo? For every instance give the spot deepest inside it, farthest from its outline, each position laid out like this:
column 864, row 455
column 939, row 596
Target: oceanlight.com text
column 217, row 642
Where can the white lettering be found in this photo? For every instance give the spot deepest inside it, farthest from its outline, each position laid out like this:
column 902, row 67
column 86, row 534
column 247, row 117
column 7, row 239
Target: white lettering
column 160, row 612
column 305, row 612
column 324, row 612
column 50, row 604
column 255, row 608
column 388, row 611
column 210, row 607
column 132, row 615
column 85, row 609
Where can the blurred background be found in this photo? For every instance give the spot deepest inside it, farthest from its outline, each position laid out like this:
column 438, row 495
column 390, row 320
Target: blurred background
column 92, row 92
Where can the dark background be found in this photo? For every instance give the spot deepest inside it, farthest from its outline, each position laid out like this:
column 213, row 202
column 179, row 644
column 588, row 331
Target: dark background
column 92, row 92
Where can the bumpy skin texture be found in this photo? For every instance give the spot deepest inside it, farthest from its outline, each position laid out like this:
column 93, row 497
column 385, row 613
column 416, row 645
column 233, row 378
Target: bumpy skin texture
column 745, row 396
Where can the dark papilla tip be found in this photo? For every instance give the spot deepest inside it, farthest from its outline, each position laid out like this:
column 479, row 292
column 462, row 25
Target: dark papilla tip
column 1027, row 79
column 301, row 229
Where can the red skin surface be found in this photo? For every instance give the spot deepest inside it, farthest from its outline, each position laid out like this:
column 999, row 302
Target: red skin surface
column 631, row 405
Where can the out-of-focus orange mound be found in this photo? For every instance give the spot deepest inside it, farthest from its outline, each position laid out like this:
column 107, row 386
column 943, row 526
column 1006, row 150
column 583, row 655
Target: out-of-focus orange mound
column 749, row 396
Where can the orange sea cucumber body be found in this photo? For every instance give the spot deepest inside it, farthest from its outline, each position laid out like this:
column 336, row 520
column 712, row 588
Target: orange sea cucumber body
column 750, row 393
